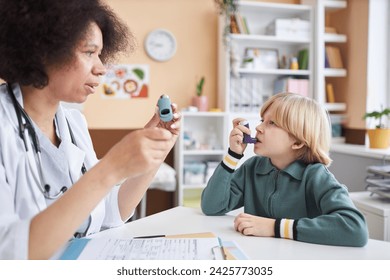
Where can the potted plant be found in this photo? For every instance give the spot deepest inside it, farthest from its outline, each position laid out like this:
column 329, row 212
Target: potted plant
column 379, row 136
column 226, row 8
column 200, row 101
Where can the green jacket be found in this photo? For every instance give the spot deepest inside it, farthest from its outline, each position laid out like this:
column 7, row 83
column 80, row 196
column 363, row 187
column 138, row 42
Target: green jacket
column 306, row 198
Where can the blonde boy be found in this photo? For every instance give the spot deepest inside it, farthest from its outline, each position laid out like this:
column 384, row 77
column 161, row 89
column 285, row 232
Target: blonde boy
column 286, row 189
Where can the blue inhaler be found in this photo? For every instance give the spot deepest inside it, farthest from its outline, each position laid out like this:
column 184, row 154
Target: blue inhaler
column 164, row 108
column 247, row 138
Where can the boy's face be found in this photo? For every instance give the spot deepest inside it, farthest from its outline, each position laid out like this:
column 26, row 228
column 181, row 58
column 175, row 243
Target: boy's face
column 273, row 141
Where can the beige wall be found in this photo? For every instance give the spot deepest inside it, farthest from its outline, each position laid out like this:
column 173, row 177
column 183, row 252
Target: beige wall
column 356, row 87
column 353, row 22
column 194, row 24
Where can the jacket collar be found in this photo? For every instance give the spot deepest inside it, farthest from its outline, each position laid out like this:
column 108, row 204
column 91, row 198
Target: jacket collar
column 77, row 157
column 296, row 169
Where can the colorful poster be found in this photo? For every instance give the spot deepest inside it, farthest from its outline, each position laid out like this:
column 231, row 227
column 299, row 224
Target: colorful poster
column 124, row 81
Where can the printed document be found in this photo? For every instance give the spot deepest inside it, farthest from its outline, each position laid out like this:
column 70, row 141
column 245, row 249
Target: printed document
column 144, row 249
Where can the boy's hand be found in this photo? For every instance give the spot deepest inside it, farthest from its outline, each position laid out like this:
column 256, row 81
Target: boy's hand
column 236, row 137
column 254, row 225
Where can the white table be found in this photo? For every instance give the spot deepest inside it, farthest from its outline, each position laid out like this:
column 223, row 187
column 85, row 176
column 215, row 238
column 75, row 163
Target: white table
column 181, row 220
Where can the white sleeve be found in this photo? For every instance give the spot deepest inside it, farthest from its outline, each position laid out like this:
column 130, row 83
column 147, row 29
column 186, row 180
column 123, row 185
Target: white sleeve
column 112, row 217
column 14, row 232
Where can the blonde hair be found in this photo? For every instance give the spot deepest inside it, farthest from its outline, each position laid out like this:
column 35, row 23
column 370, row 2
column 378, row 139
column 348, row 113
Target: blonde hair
column 306, row 121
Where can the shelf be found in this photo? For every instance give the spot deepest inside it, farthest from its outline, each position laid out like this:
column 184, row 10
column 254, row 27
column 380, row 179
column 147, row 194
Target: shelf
column 335, row 38
column 333, row 72
column 335, row 106
column 193, row 186
column 203, row 152
column 203, row 114
column 338, row 140
column 361, row 151
column 333, row 5
column 271, row 7
column 286, row 72
column 268, row 39
column 202, row 131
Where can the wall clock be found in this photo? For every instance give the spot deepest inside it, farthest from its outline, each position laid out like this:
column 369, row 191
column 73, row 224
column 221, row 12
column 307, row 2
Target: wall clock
column 160, row 45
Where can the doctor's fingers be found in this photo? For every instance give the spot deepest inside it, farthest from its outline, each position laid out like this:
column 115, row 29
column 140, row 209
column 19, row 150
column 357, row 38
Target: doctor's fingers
column 137, row 146
column 153, row 133
column 156, row 149
column 156, row 121
column 174, row 125
column 137, row 162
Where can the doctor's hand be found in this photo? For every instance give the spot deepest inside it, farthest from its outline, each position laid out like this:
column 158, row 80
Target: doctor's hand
column 173, row 126
column 138, row 153
column 254, row 225
column 236, row 137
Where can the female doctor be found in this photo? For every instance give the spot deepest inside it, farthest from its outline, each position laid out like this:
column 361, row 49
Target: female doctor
column 52, row 187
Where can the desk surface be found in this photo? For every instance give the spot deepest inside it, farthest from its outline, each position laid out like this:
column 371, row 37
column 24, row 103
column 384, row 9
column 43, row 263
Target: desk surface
column 373, row 203
column 181, row 220
column 360, row 150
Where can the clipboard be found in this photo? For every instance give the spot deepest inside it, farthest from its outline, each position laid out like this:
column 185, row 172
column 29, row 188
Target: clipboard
column 220, row 250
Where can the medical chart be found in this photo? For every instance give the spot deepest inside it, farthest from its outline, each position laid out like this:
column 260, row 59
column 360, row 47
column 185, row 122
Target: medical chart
column 144, row 249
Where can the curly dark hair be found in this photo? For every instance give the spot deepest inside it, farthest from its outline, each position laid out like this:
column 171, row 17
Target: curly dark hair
column 35, row 34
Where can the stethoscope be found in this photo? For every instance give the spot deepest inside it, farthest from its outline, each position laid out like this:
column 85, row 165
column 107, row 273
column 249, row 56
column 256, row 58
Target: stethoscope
column 26, row 128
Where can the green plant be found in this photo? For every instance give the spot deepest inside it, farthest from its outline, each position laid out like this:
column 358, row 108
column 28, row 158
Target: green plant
column 247, row 60
column 199, row 87
column 226, row 8
column 378, row 115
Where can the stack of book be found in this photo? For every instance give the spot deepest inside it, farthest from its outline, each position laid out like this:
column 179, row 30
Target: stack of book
column 333, row 57
column 238, row 24
column 303, row 59
column 330, row 97
column 293, row 85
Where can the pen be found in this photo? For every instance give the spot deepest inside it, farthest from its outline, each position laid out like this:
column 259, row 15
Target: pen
column 222, row 249
column 149, row 236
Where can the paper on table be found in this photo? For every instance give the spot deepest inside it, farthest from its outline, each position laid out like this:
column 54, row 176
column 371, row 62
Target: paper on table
column 149, row 249
column 193, row 235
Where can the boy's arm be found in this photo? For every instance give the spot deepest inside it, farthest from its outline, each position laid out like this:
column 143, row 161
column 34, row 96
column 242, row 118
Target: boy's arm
column 222, row 194
column 340, row 223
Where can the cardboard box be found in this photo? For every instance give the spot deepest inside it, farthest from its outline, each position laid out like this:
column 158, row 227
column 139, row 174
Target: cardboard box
column 300, row 86
column 293, row 27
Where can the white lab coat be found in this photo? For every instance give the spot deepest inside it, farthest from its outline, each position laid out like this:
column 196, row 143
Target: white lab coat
column 20, row 195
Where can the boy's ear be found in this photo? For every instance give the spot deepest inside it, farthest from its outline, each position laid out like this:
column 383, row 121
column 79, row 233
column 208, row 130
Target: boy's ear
column 297, row 145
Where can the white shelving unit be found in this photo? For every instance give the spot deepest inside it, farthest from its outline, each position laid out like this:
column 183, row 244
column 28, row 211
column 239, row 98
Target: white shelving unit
column 201, row 128
column 202, row 141
column 258, row 16
column 322, row 39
